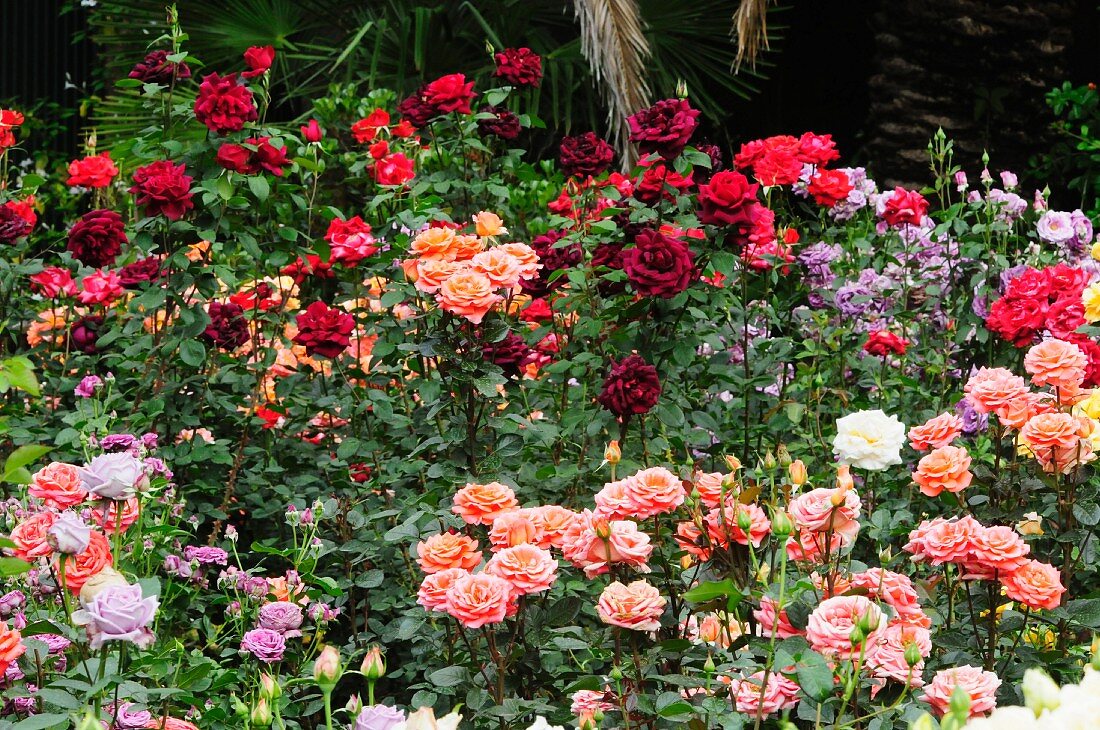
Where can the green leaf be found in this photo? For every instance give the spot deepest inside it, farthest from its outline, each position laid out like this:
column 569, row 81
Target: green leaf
column 19, row 371
column 259, row 186
column 710, row 590
column 449, row 676
column 814, row 676
column 192, row 352
column 13, row 566
column 24, row 455
column 41, row 722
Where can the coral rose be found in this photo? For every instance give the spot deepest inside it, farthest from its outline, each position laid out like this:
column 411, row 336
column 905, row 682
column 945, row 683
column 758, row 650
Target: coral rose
column 773, row 622
column 1047, row 431
column 829, row 628
column 58, row 485
column 712, row 486
column 637, row 606
column 815, row 510
column 479, row 504
column 752, row 697
column 724, row 525
column 528, row 568
column 470, row 294
column 11, row 647
column 593, row 542
column 433, row 590
column 886, row 659
column 447, row 550
column 477, row 600
column 554, row 521
column 516, row 527
column 992, row 388
column 94, row 171
column 502, row 268
column 79, row 569
column 29, row 536
column 936, row 432
column 980, row 685
column 946, row 468
column 1000, row 548
column 653, row 492
column 1056, row 363
column 432, row 273
column 1035, row 584
column 434, row 243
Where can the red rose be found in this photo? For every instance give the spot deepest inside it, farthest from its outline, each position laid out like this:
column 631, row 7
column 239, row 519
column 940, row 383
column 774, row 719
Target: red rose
column 324, row 330
column 416, row 110
column 259, row 60
column 350, row 241
column 829, row 187
column 224, row 105
column 777, row 167
column 1065, row 315
column 664, row 128
column 905, row 207
column 155, row 68
column 311, row 131
column 584, row 154
column 12, row 225
column 366, row 129
column 96, row 239
column 1066, row 280
column 94, row 171
column 631, row 388
column 817, row 149
column 53, row 282
column 450, row 93
column 395, row 169
column 248, row 161
column 504, row 123
column 1017, row 319
column 311, row 265
column 379, row 149
column 1091, row 349
column 236, row 158
column 727, row 199
column 519, row 67
column 656, row 181
column 1029, row 283
column 537, row 311
column 24, row 209
column 139, row 272
column 749, row 153
column 163, row 188
column 883, row 343
column 659, row 265
column 228, row 329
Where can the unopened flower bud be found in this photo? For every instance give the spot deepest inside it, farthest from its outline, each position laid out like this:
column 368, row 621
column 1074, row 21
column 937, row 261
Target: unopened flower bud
column 354, row 705
column 844, row 480
column 960, row 702
column 597, row 716
column 686, row 561
column 856, row 636
column 681, row 89
column 783, row 456
column 769, row 462
column 240, row 709
column 269, row 688
column 733, row 463
column 613, row 454
column 782, row 526
column 327, row 669
column 261, row 713
column 924, row 722
column 615, row 674
column 374, row 663
column 912, row 655
column 762, row 573
column 1040, row 691
column 708, row 665
column 797, row 472
column 744, row 520
column 867, row 623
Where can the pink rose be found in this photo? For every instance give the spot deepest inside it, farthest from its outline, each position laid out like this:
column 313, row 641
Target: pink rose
column 637, row 606
column 980, row 685
column 751, row 696
column 829, row 629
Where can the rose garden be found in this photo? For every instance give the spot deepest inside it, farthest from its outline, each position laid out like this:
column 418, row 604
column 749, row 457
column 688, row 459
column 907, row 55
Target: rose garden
column 388, row 417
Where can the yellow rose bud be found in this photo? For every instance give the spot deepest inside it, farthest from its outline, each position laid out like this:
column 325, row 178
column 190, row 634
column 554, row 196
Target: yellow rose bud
column 613, row 454
column 733, row 463
column 797, row 472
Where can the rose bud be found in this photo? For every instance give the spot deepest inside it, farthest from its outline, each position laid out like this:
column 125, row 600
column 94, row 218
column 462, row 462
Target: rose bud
column 327, row 669
column 374, row 663
column 797, row 472
column 613, row 454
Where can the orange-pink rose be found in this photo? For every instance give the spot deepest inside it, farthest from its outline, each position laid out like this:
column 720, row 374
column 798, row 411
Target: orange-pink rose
column 991, row 388
column 946, row 468
column 935, row 432
column 468, row 294
column 980, row 685
column 58, row 485
column 433, row 590
column 1035, row 584
column 829, row 628
column 528, row 568
column 29, row 536
column 479, row 504
column 1056, row 363
column 478, row 600
column 448, row 550
column 637, row 606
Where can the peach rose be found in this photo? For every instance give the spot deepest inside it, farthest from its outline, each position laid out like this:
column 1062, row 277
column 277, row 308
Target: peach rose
column 80, row 568
column 468, row 294
column 710, row 487
column 942, row 541
column 771, row 622
column 948, row 467
column 433, row 273
column 433, row 590
column 829, row 628
column 1065, row 460
column 29, row 536
column 501, row 267
column 990, row 388
column 752, row 697
column 479, row 504
column 935, row 432
column 1035, row 584
column 489, row 224
column 653, row 492
column 815, row 510
column 720, row 630
column 516, row 527
column 448, row 550
column 434, row 243
column 593, row 542
column 886, row 658
column 554, row 521
column 1056, row 363
column 999, row 548
column 614, row 502
column 477, row 600
column 110, row 518
column 724, row 525
column 1017, row 411
column 11, row 646
column 466, row 247
column 1048, row 431
column 58, row 485
column 528, row 568
column 980, row 685
column 528, row 260
column 893, row 589
column 637, row 606
column 690, row 539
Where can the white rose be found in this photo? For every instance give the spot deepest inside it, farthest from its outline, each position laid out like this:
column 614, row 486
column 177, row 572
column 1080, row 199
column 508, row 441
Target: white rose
column 1040, row 691
column 869, row 440
column 540, row 723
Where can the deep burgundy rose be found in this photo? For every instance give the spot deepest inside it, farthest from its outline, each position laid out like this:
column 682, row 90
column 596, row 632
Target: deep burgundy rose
column 84, row 333
column 584, row 154
column 664, row 128
column 552, row 259
column 163, row 188
column 450, row 93
column 417, row 111
column 96, row 239
column 228, row 329
column 609, row 255
column 510, row 354
column 504, row 123
column 659, row 265
column 727, row 200
column 223, row 104
column 155, row 68
column 12, row 225
column 905, row 207
column 132, row 276
column 1017, row 319
column 324, row 330
column 631, row 388
column 714, row 152
column 519, row 67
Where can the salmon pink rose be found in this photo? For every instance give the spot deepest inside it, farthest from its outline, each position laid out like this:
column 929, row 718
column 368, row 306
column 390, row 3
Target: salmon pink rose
column 447, row 550
column 653, row 492
column 79, row 569
column 829, row 628
column 946, row 468
column 773, row 622
column 936, row 432
column 58, row 485
column 469, row 294
column 815, row 510
column 528, row 568
column 433, row 273
column 433, row 590
column 757, row 699
column 990, row 389
column 1056, row 363
column 527, row 258
column 554, row 521
column 501, row 267
column 11, row 647
column 981, row 686
column 725, row 525
column 1035, row 584
column 479, row 504
column 1000, row 548
column 886, row 658
column 593, row 543
column 637, row 606
column 30, row 536
column 711, row 487
column 517, row 527
column 477, row 600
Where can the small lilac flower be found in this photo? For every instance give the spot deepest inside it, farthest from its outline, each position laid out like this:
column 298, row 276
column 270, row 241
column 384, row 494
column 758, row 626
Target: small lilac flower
column 206, row 555
column 960, row 181
column 379, row 717
column 175, row 565
column 116, row 442
column 118, row 613
column 1055, row 226
column 149, row 441
column 973, row 422
column 1009, row 179
column 11, row 602
column 87, row 386
column 128, row 716
column 264, row 644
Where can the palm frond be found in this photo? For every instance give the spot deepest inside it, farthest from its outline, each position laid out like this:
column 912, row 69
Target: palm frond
column 750, row 26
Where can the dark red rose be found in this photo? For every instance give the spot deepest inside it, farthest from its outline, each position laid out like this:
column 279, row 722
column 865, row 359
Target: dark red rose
column 702, row 174
column 1017, row 319
column 228, row 329
column 84, row 333
column 96, row 239
column 609, row 255
column 510, row 354
column 1066, row 280
column 883, row 343
column 829, row 187
column 1091, row 349
column 584, row 154
column 359, row 472
column 817, row 149
column 224, row 105
column 324, row 330
column 504, row 123
column 659, row 265
column 415, row 109
column 155, row 68
column 631, row 388
column 163, row 188
column 519, row 67
column 1065, row 315
column 247, row 161
column 268, row 156
column 727, row 199
column 552, row 259
column 236, row 158
column 659, row 182
column 12, row 225
column 905, row 207
column 664, row 128
column 259, row 60
column 132, row 276
column 450, row 93
column 1030, row 283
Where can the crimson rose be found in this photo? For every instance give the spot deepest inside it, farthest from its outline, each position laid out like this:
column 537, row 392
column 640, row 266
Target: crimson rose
column 224, row 105
column 519, row 67
column 664, row 128
column 96, row 239
column 324, row 330
column 163, row 188
column 659, row 265
column 584, row 154
column 631, row 388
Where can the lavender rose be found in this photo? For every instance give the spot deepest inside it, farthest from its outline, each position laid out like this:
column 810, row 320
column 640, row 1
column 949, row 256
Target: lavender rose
column 264, row 644
column 114, row 476
column 69, row 534
column 128, row 716
column 282, row 616
column 379, row 717
column 118, row 613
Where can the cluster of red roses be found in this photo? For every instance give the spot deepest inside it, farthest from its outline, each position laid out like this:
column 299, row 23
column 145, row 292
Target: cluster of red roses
column 1046, row 300
column 388, row 167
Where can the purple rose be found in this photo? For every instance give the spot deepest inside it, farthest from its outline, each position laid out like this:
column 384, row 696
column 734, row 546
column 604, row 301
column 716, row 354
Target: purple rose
column 55, row 643
column 117, row 442
column 11, row 602
column 282, row 616
column 206, row 555
column 264, row 644
column 973, row 422
column 88, row 385
column 128, row 716
column 118, row 613
column 178, row 567
column 114, row 476
column 379, row 717
column 69, row 534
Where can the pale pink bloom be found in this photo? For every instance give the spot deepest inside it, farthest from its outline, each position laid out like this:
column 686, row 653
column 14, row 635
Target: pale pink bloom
column 980, row 685
column 751, row 696
column 766, row 617
column 593, row 542
column 433, row 590
column 637, row 606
